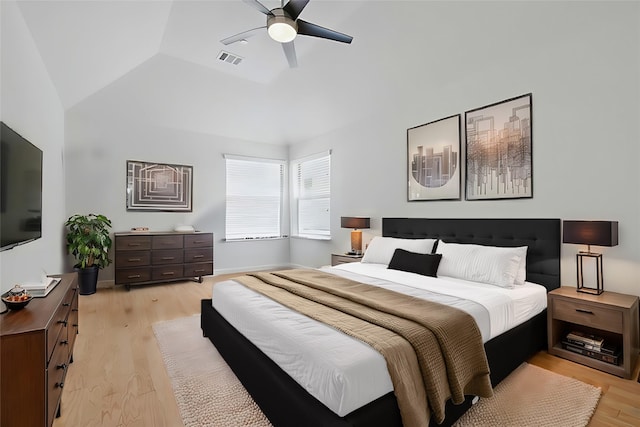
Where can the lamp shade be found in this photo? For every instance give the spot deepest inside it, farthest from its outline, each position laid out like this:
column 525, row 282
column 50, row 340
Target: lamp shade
column 354, row 222
column 597, row 233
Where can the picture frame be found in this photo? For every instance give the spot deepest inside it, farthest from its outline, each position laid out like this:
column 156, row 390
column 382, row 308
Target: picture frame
column 433, row 160
column 498, row 152
column 159, row 187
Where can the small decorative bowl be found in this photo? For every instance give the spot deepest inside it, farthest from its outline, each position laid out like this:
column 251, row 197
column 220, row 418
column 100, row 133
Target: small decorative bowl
column 17, row 298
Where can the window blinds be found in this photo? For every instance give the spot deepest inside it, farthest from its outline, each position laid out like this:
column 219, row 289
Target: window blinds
column 254, row 199
column 313, row 184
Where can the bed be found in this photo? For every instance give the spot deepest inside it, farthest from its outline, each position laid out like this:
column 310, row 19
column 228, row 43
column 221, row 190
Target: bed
column 286, row 403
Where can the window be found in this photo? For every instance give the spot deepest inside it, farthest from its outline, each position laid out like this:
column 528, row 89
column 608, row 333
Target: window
column 255, row 189
column 312, row 196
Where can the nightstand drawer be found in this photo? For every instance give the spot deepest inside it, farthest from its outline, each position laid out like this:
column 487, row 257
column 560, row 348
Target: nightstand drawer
column 589, row 315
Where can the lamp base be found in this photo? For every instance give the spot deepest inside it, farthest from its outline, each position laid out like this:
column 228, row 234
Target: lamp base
column 356, row 242
column 599, row 277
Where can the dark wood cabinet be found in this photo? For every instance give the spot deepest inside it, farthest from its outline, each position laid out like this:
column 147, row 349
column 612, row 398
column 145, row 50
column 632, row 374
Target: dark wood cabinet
column 36, row 348
column 154, row 257
column 337, row 259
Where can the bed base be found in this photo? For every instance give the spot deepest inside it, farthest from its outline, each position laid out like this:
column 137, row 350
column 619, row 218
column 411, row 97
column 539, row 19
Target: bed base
column 287, row 404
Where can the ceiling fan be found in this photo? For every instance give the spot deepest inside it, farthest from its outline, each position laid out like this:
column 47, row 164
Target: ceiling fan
column 283, row 26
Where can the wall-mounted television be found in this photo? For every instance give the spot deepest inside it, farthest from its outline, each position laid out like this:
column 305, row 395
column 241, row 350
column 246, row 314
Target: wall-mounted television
column 20, row 189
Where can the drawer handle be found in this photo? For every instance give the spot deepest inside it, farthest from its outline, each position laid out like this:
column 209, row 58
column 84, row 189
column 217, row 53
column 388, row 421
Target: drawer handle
column 579, row 310
column 168, row 258
column 64, row 342
column 134, row 244
column 133, row 276
column 61, row 385
column 200, row 241
column 199, row 271
column 198, row 256
column 64, row 322
column 134, row 259
column 66, row 304
column 168, row 273
column 75, row 325
column 74, row 309
column 63, row 366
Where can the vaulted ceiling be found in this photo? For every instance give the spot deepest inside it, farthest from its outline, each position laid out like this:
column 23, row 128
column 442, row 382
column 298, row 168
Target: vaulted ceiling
column 156, row 62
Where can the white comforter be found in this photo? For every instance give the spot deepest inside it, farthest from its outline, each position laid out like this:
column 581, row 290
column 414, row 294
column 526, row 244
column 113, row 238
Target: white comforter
column 340, row 371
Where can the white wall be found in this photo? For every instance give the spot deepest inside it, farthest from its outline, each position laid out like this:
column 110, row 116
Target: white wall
column 581, row 61
column 30, row 106
column 96, row 152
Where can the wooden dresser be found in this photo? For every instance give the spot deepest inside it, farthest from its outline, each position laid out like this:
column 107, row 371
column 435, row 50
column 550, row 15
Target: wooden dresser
column 36, row 347
column 154, row 257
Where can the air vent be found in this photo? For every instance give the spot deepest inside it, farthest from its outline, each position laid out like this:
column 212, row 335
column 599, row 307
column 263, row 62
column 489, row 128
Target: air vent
column 229, row 58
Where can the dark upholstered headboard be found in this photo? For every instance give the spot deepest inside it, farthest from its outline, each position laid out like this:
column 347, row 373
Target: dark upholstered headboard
column 542, row 236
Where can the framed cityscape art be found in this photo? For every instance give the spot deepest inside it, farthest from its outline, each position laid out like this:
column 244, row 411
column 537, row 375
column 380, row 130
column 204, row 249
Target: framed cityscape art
column 498, row 151
column 159, row 187
column 433, row 160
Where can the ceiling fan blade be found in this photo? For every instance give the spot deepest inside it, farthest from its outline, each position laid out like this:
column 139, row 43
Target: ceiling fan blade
column 309, row 29
column 294, row 8
column 241, row 36
column 258, row 6
column 290, row 53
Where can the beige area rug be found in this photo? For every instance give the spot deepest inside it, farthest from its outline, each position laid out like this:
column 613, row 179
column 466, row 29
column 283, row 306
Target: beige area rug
column 207, row 391
column 209, row 394
column 532, row 396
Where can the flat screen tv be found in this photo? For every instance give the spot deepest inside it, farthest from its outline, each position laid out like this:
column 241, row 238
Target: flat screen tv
column 20, row 189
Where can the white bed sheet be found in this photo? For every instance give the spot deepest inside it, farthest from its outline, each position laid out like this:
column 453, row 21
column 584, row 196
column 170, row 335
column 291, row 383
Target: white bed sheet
column 343, row 372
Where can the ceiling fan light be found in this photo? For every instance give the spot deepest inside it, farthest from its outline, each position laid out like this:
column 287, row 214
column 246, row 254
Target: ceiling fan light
column 282, row 28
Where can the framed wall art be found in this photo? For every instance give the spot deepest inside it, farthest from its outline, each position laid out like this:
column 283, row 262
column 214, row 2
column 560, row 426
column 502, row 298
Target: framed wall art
column 498, row 150
column 433, row 160
column 159, row 187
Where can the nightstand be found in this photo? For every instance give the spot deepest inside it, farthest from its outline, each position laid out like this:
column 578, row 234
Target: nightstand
column 610, row 315
column 344, row 258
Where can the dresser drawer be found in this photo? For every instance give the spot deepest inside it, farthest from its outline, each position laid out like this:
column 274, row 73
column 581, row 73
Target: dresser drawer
column 168, row 256
column 595, row 316
column 167, row 242
column 59, row 320
column 133, row 275
column 198, row 255
column 72, row 324
column 198, row 240
column 56, row 372
column 133, row 243
column 133, row 258
column 168, row 272
column 198, row 269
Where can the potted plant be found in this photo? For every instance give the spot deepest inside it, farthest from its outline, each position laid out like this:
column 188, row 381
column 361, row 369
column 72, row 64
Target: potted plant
column 88, row 240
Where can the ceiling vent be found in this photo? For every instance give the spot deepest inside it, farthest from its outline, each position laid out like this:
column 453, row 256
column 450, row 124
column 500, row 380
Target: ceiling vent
column 229, row 58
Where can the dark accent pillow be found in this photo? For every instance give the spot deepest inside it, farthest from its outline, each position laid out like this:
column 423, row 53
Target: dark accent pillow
column 425, row 264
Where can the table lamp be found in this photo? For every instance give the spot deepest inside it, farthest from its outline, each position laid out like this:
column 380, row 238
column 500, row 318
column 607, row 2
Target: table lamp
column 357, row 224
column 597, row 233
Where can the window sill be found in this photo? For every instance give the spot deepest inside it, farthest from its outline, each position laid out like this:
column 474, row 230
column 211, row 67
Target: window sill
column 326, row 238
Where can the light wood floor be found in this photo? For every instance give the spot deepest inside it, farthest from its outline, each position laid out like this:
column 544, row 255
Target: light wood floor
column 118, row 376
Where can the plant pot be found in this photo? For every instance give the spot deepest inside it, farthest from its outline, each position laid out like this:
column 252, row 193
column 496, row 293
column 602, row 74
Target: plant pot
column 87, row 279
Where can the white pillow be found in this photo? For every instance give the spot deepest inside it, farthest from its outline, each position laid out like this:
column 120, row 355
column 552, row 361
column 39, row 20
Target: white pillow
column 381, row 249
column 485, row 264
column 522, row 269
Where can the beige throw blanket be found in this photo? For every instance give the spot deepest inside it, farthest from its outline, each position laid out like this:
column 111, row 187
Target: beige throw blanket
column 433, row 352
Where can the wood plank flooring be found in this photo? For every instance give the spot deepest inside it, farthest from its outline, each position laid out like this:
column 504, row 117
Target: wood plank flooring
column 118, row 376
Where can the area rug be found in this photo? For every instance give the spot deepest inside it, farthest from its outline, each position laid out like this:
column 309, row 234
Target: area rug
column 209, row 394
column 206, row 390
column 532, row 396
